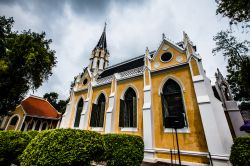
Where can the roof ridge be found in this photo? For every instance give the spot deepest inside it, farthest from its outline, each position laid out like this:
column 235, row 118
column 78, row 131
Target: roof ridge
column 128, row 60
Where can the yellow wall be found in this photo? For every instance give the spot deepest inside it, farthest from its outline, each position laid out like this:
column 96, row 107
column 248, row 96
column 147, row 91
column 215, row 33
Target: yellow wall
column 121, row 87
column 193, row 141
column 20, row 112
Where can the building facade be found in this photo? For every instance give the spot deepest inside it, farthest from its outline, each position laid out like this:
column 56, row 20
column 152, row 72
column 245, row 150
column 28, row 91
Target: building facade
column 34, row 113
column 139, row 95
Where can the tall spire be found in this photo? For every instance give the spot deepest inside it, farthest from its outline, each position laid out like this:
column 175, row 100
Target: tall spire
column 102, row 44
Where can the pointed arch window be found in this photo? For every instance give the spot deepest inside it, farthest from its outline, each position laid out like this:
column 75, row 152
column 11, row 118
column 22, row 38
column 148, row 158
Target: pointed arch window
column 172, row 104
column 78, row 113
column 128, row 109
column 98, row 110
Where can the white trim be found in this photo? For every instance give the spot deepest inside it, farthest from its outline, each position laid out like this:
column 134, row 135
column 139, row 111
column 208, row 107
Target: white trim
column 173, row 78
column 130, row 86
column 129, row 129
column 97, row 128
column 98, row 95
column 182, row 162
column 198, row 78
column 47, row 125
column 183, row 130
column 8, row 124
column 203, row 99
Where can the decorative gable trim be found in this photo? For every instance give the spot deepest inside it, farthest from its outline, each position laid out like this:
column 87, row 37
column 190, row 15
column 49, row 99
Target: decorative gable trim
column 166, row 41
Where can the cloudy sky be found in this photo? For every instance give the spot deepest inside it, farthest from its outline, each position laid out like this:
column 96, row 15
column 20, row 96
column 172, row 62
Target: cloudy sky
column 132, row 25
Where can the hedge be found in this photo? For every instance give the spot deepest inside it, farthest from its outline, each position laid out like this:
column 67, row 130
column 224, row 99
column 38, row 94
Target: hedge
column 240, row 151
column 12, row 144
column 125, row 150
column 63, row 147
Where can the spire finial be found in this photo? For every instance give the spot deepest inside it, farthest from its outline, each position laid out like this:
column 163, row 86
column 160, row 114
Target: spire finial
column 163, row 36
column 105, row 24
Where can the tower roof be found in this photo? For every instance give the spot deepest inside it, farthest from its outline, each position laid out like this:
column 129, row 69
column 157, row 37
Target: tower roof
column 102, row 41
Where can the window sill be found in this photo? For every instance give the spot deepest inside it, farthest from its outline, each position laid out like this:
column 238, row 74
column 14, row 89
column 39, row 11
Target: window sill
column 170, row 130
column 97, row 128
column 132, row 129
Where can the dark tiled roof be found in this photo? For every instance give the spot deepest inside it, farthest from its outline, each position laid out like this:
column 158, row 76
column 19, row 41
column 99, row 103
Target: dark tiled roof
column 124, row 66
column 35, row 106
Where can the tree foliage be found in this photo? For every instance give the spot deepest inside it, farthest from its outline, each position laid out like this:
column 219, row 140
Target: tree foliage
column 236, row 10
column 237, row 54
column 12, row 144
column 240, row 151
column 52, row 98
column 26, row 60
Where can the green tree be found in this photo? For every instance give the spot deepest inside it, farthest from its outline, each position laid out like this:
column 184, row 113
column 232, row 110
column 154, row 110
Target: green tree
column 52, row 98
column 26, row 60
column 236, row 52
column 236, row 10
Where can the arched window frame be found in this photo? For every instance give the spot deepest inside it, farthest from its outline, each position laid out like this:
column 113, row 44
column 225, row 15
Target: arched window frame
column 33, row 122
column 47, row 125
column 17, row 123
column 130, row 129
column 80, row 98
column 183, row 91
column 105, row 108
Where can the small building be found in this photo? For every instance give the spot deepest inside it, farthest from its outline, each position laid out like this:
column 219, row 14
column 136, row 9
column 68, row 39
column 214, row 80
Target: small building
column 34, row 113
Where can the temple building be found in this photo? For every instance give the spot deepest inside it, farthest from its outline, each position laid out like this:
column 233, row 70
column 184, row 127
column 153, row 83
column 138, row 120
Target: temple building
column 34, row 113
column 140, row 96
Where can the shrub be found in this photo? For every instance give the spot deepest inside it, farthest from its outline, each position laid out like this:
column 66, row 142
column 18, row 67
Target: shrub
column 12, row 144
column 125, row 150
column 63, row 147
column 240, row 151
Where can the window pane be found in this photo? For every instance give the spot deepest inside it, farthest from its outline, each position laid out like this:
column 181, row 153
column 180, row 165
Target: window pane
column 78, row 113
column 172, row 103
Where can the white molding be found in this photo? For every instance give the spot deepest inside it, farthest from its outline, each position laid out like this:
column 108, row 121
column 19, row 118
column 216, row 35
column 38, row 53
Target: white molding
column 183, row 130
column 203, row 99
column 197, row 78
column 97, row 128
column 127, row 87
column 99, row 94
column 129, row 129
column 178, row 81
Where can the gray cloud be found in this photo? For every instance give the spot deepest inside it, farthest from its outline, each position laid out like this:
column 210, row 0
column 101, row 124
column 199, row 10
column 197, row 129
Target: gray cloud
column 75, row 27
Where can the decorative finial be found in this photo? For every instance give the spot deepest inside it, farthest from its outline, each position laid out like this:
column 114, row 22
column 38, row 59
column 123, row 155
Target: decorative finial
column 163, row 36
column 105, row 24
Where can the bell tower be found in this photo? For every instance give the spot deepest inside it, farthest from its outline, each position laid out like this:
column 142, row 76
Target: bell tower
column 99, row 59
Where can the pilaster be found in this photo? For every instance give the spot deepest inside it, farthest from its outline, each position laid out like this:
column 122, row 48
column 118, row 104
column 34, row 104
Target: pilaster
column 109, row 127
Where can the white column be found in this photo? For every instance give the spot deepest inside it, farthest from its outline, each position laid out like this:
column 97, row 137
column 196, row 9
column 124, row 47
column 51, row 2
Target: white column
column 216, row 129
column 84, row 115
column 109, row 126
